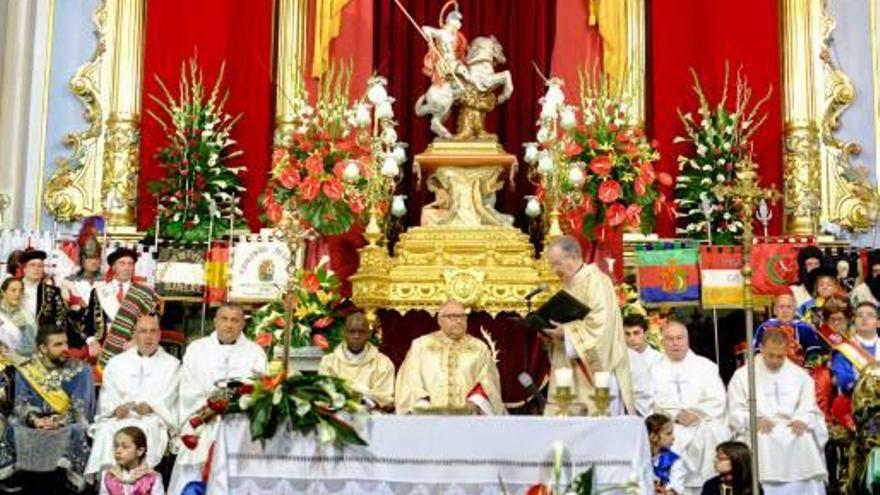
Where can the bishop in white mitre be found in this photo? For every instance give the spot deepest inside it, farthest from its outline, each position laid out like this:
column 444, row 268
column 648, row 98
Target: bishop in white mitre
column 139, row 389
column 224, row 354
column 688, row 389
column 791, row 428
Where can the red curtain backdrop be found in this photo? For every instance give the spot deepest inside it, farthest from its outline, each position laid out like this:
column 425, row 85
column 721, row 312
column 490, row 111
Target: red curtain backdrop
column 239, row 33
column 577, row 46
column 525, row 28
column 703, row 35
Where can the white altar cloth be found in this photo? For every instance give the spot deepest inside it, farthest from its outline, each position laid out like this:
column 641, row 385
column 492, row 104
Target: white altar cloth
column 424, row 455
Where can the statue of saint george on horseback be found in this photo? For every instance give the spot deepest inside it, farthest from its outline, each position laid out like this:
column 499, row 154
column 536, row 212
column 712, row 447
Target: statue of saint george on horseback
column 462, row 75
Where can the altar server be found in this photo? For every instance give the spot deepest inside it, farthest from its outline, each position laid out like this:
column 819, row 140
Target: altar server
column 139, row 389
column 791, row 429
column 224, row 354
column 688, row 388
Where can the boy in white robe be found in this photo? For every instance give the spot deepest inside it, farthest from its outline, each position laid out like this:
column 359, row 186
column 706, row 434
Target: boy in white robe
column 139, row 389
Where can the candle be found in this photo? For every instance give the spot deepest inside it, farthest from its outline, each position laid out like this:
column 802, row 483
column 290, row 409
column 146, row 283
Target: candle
column 602, row 379
column 564, row 377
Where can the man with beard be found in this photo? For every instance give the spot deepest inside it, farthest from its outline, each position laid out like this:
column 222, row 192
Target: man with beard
column 809, row 259
column 54, row 404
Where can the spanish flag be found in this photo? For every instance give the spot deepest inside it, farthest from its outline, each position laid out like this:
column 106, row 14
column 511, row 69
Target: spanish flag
column 217, row 272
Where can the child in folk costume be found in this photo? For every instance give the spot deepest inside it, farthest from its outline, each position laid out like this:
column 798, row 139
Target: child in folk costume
column 733, row 464
column 669, row 471
column 130, row 475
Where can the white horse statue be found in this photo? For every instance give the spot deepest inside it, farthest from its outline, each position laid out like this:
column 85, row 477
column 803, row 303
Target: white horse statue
column 474, row 89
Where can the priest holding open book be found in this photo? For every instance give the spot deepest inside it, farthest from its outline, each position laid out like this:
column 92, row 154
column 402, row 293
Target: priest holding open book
column 592, row 349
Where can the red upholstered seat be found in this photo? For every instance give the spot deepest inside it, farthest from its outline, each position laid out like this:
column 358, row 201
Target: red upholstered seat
column 174, row 342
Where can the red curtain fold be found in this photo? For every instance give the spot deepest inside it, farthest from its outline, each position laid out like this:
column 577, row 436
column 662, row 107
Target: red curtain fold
column 242, row 35
column 577, row 46
column 703, row 35
column 525, row 29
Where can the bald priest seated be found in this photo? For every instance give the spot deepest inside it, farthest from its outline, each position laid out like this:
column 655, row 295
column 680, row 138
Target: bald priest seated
column 361, row 364
column 449, row 370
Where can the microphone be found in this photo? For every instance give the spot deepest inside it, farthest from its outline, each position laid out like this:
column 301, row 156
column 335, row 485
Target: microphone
column 527, row 383
column 534, row 292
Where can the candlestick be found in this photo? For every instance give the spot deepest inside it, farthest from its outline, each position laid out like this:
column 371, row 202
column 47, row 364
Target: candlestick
column 564, row 377
column 602, row 379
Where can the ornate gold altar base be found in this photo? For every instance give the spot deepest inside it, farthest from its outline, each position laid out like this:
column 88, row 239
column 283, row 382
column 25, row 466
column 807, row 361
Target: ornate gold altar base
column 488, row 268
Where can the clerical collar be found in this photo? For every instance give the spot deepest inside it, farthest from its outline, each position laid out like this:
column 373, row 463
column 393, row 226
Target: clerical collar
column 147, row 356
column 354, row 356
column 217, row 339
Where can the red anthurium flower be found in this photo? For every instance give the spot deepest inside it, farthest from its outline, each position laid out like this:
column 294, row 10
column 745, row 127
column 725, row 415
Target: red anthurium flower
column 640, row 186
column 539, row 489
column 622, row 137
column 630, row 149
column 664, row 179
column 587, row 205
column 280, row 322
column 601, row 165
column 269, row 382
column 572, row 148
column 315, row 164
column 195, row 421
column 609, row 191
column 333, row 189
column 319, row 340
column 264, row 340
column 246, row 388
column 648, row 170
column 615, row 215
column 324, row 322
column 218, row 404
column 592, row 143
column 310, row 188
column 289, row 178
column 311, row 283
column 274, row 212
column 338, row 169
column 190, row 441
column 634, row 216
column 278, row 156
column 357, row 204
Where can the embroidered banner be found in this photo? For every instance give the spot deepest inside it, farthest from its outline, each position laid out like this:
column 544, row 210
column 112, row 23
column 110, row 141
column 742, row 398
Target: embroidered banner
column 668, row 273
column 774, row 264
column 721, row 280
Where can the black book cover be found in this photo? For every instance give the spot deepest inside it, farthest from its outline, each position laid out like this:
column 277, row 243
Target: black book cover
column 562, row 307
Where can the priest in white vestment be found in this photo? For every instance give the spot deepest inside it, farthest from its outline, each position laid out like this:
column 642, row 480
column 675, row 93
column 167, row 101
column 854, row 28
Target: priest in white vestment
column 642, row 359
column 593, row 344
column 791, row 428
column 224, row 354
column 688, row 388
column 139, row 389
column 449, row 369
column 360, row 363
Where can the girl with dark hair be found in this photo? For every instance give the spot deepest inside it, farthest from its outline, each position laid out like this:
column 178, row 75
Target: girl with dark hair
column 669, row 472
column 733, row 462
column 130, row 475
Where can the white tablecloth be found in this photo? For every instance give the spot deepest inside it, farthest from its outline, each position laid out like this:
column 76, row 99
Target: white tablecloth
column 434, row 455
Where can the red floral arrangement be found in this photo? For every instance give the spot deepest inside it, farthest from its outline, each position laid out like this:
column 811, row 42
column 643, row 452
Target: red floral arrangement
column 597, row 163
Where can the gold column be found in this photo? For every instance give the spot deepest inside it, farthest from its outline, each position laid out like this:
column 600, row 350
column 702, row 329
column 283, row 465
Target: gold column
column 121, row 153
column 636, row 45
column 802, row 163
column 291, row 45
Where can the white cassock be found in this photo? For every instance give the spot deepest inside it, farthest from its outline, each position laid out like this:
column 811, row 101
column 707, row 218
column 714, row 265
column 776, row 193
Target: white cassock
column 130, row 377
column 641, row 365
column 693, row 384
column 206, row 362
column 789, row 464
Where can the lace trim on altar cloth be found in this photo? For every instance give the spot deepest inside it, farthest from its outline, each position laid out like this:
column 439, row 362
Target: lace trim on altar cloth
column 336, row 459
column 251, row 486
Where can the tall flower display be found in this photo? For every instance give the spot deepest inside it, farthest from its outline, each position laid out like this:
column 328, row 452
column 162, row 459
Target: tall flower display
column 318, row 315
column 200, row 191
column 720, row 138
column 343, row 161
column 592, row 165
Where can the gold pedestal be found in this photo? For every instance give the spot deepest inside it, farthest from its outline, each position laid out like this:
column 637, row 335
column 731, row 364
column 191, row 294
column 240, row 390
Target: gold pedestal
column 487, row 268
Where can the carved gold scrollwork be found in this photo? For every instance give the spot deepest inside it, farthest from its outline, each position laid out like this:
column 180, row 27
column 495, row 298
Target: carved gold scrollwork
column 72, row 192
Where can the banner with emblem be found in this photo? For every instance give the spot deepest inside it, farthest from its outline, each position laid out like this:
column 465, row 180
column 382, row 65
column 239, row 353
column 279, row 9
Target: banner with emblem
column 774, row 264
column 668, row 273
column 258, row 268
column 721, row 281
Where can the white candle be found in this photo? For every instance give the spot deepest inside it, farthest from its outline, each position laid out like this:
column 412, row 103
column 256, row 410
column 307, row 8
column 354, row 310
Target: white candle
column 602, row 379
column 564, row 377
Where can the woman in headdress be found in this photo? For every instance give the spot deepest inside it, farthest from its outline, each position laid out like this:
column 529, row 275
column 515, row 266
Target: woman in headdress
column 809, row 259
column 77, row 288
column 825, row 286
column 18, row 328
